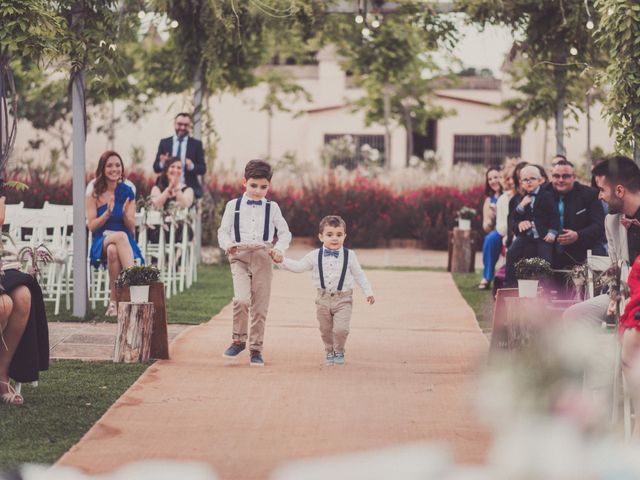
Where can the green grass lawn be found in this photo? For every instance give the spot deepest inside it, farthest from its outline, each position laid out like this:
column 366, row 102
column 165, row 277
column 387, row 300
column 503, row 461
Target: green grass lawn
column 198, row 304
column 71, row 397
column 481, row 301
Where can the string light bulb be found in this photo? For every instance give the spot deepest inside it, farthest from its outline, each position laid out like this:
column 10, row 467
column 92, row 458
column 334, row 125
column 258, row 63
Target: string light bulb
column 573, row 51
column 142, row 14
column 366, row 33
column 375, row 23
column 174, row 24
column 590, row 25
column 359, row 19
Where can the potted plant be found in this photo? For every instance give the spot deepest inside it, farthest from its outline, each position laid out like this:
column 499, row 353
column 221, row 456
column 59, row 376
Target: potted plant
column 138, row 278
column 465, row 214
column 529, row 271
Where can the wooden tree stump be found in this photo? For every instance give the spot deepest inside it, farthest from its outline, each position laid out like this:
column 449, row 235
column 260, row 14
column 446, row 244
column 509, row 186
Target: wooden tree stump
column 135, row 324
column 462, row 250
column 159, row 336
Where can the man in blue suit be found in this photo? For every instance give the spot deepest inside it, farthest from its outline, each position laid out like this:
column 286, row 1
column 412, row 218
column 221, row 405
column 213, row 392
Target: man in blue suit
column 188, row 149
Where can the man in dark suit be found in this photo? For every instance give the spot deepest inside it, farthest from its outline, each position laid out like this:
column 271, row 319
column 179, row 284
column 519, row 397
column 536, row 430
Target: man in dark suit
column 188, row 149
column 581, row 218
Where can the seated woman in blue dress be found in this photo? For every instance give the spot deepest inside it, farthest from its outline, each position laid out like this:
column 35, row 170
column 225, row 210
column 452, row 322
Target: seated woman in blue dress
column 111, row 213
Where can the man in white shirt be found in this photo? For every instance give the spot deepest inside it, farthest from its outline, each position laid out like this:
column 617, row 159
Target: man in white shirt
column 334, row 271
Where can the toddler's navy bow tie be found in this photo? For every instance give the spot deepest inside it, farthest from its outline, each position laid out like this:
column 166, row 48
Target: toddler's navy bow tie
column 331, row 253
column 254, row 202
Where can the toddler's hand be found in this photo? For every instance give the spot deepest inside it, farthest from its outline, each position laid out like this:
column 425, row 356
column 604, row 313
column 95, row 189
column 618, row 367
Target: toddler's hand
column 276, row 255
column 232, row 249
column 371, row 300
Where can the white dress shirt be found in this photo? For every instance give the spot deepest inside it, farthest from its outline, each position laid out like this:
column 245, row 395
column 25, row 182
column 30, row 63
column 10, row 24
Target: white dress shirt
column 331, row 269
column 183, row 153
column 252, row 225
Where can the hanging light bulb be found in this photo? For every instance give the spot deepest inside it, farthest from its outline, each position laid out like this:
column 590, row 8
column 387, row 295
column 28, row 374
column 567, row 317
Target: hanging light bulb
column 573, row 51
column 174, row 24
column 366, row 33
column 359, row 19
column 375, row 23
column 142, row 14
column 590, row 25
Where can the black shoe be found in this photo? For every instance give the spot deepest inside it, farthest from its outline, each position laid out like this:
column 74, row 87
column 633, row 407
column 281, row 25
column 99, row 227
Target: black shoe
column 256, row 359
column 234, row 349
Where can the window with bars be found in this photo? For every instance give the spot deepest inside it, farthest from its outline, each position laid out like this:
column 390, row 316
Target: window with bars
column 485, row 150
column 349, row 150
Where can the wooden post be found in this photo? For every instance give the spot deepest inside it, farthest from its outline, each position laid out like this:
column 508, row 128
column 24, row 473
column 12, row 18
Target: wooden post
column 159, row 335
column 135, row 324
column 462, row 251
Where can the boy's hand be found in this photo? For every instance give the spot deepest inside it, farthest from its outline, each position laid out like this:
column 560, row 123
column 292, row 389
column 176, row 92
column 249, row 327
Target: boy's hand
column 276, row 255
column 526, row 201
column 232, row 249
column 371, row 300
column 549, row 238
column 525, row 225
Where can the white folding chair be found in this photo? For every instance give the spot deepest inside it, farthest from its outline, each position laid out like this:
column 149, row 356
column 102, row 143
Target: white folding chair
column 97, row 280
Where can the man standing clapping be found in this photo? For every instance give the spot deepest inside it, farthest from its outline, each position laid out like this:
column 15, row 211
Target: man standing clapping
column 188, row 149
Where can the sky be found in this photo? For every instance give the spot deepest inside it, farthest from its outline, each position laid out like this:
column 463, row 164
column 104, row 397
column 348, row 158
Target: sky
column 485, row 49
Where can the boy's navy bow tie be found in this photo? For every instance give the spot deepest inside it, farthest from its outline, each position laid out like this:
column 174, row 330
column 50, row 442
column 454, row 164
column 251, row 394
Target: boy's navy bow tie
column 254, row 202
column 331, row 253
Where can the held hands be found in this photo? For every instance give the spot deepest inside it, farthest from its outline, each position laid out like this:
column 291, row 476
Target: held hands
column 371, row 300
column 276, row 255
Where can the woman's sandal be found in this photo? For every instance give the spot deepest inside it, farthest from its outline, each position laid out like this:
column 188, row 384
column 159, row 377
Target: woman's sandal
column 12, row 397
column 112, row 311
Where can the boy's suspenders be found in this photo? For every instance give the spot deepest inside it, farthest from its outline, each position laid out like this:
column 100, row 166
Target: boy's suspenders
column 343, row 274
column 236, row 220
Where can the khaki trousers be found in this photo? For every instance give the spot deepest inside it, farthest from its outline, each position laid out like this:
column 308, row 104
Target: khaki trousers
column 252, row 273
column 334, row 315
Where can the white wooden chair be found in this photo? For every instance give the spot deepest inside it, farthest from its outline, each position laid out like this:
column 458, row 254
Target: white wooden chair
column 97, row 280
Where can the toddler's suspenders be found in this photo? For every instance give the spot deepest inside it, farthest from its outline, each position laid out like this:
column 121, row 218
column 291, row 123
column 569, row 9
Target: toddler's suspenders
column 343, row 274
column 236, row 220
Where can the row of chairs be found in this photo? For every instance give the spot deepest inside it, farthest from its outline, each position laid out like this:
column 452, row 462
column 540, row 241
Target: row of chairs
column 51, row 227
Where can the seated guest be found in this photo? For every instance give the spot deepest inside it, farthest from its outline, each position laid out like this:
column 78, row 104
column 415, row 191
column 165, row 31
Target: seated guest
column 24, row 333
column 534, row 221
column 169, row 191
column 111, row 218
column 502, row 216
column 581, row 217
column 492, row 240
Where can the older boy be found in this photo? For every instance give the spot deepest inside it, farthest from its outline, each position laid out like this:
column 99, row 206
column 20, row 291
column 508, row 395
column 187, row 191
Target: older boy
column 335, row 269
column 246, row 234
column 535, row 221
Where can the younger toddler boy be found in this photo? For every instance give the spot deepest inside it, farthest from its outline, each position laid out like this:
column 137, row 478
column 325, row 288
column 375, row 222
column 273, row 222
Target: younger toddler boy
column 334, row 271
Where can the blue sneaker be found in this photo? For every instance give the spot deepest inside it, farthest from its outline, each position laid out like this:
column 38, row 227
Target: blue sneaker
column 256, row 359
column 234, row 349
column 329, row 358
column 338, row 358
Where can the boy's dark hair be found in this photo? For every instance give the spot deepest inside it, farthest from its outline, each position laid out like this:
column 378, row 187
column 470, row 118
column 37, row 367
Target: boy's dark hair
column 619, row 170
column 257, row 169
column 332, row 221
column 563, row 163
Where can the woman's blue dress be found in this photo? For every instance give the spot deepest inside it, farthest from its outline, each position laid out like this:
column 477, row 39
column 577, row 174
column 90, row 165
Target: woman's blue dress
column 115, row 223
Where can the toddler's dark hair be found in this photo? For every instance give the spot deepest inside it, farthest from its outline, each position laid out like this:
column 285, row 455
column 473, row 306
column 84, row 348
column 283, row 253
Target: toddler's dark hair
column 332, row 221
column 257, row 169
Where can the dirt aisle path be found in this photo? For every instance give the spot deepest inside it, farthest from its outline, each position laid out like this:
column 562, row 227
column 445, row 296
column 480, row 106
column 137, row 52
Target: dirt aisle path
column 410, row 359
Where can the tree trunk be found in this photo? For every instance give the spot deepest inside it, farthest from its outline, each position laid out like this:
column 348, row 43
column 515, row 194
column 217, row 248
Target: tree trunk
column 409, row 128
column 636, row 154
column 387, row 131
column 462, row 251
column 588, row 108
column 159, row 337
column 560, row 76
column 269, row 133
column 199, row 88
column 78, row 109
column 133, row 340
